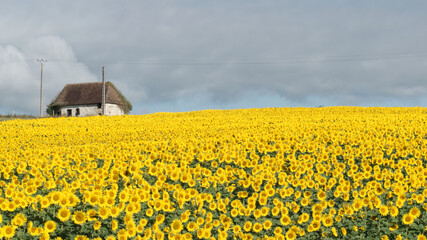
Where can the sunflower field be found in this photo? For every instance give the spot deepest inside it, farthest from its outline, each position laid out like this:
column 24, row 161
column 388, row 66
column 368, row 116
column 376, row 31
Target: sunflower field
column 274, row 173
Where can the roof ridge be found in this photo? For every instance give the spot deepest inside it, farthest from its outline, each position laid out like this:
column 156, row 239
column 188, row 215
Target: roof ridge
column 83, row 83
column 88, row 93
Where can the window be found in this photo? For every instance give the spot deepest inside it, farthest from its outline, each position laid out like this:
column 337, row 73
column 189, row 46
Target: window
column 69, row 113
column 99, row 105
column 77, row 111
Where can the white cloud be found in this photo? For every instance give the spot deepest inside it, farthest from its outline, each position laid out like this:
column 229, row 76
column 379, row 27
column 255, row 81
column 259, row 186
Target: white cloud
column 49, row 47
column 20, row 73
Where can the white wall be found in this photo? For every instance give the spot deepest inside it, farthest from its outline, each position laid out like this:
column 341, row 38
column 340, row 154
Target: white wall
column 113, row 110
column 91, row 110
column 85, row 110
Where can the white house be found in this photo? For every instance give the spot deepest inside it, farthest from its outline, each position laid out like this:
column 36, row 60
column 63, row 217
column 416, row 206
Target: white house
column 85, row 99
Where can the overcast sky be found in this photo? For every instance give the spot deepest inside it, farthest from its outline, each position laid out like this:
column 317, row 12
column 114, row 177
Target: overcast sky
column 170, row 56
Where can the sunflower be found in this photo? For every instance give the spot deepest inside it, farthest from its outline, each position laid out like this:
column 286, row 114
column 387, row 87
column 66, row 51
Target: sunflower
column 114, row 225
column 304, row 202
column 91, row 215
column 176, row 226
column 415, row 212
column 30, row 190
column 407, row 219
column 149, row 212
column 44, row 203
column 93, row 199
column 237, row 229
column 123, row 233
column 315, row 225
column 192, row 226
column 185, row 216
column 128, row 219
column 399, row 203
column 143, row 222
column 234, row 212
column 131, row 231
column 200, row 221
column 81, row 237
column 393, row 227
column 19, row 220
column 160, row 218
column 123, row 196
column 257, row 213
column 96, row 225
column 303, row 218
column 420, row 198
column 216, row 223
column 49, row 226
column 104, row 212
column 421, row 237
column 290, row 235
column 267, row 224
column 378, row 190
column 115, row 211
column 257, row 227
column 206, row 234
column 275, row 211
column 44, row 236
column 263, row 201
column 35, row 231
column 285, row 220
column 247, row 226
column 327, row 221
column 56, row 197
column 212, row 206
column 394, row 211
column 158, row 205
column 334, row 232
column 383, row 210
column 79, row 217
column 8, row 231
column 200, row 233
column 72, row 200
column 63, row 202
column 307, row 194
column 110, row 201
column 140, row 229
column 317, row 208
column 63, row 214
column 357, row 205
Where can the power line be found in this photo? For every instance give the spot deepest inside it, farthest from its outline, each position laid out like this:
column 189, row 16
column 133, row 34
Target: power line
column 289, row 60
column 18, row 60
column 345, row 58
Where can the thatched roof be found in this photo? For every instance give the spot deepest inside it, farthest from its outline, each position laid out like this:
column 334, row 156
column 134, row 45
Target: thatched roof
column 90, row 93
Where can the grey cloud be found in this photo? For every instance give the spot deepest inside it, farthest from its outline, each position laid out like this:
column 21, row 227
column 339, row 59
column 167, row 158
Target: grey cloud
column 283, row 42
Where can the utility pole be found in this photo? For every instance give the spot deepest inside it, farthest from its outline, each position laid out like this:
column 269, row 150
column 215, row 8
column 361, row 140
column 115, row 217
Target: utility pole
column 41, row 61
column 103, row 91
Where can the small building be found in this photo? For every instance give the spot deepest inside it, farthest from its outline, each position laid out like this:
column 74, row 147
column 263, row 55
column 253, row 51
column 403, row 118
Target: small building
column 85, row 99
